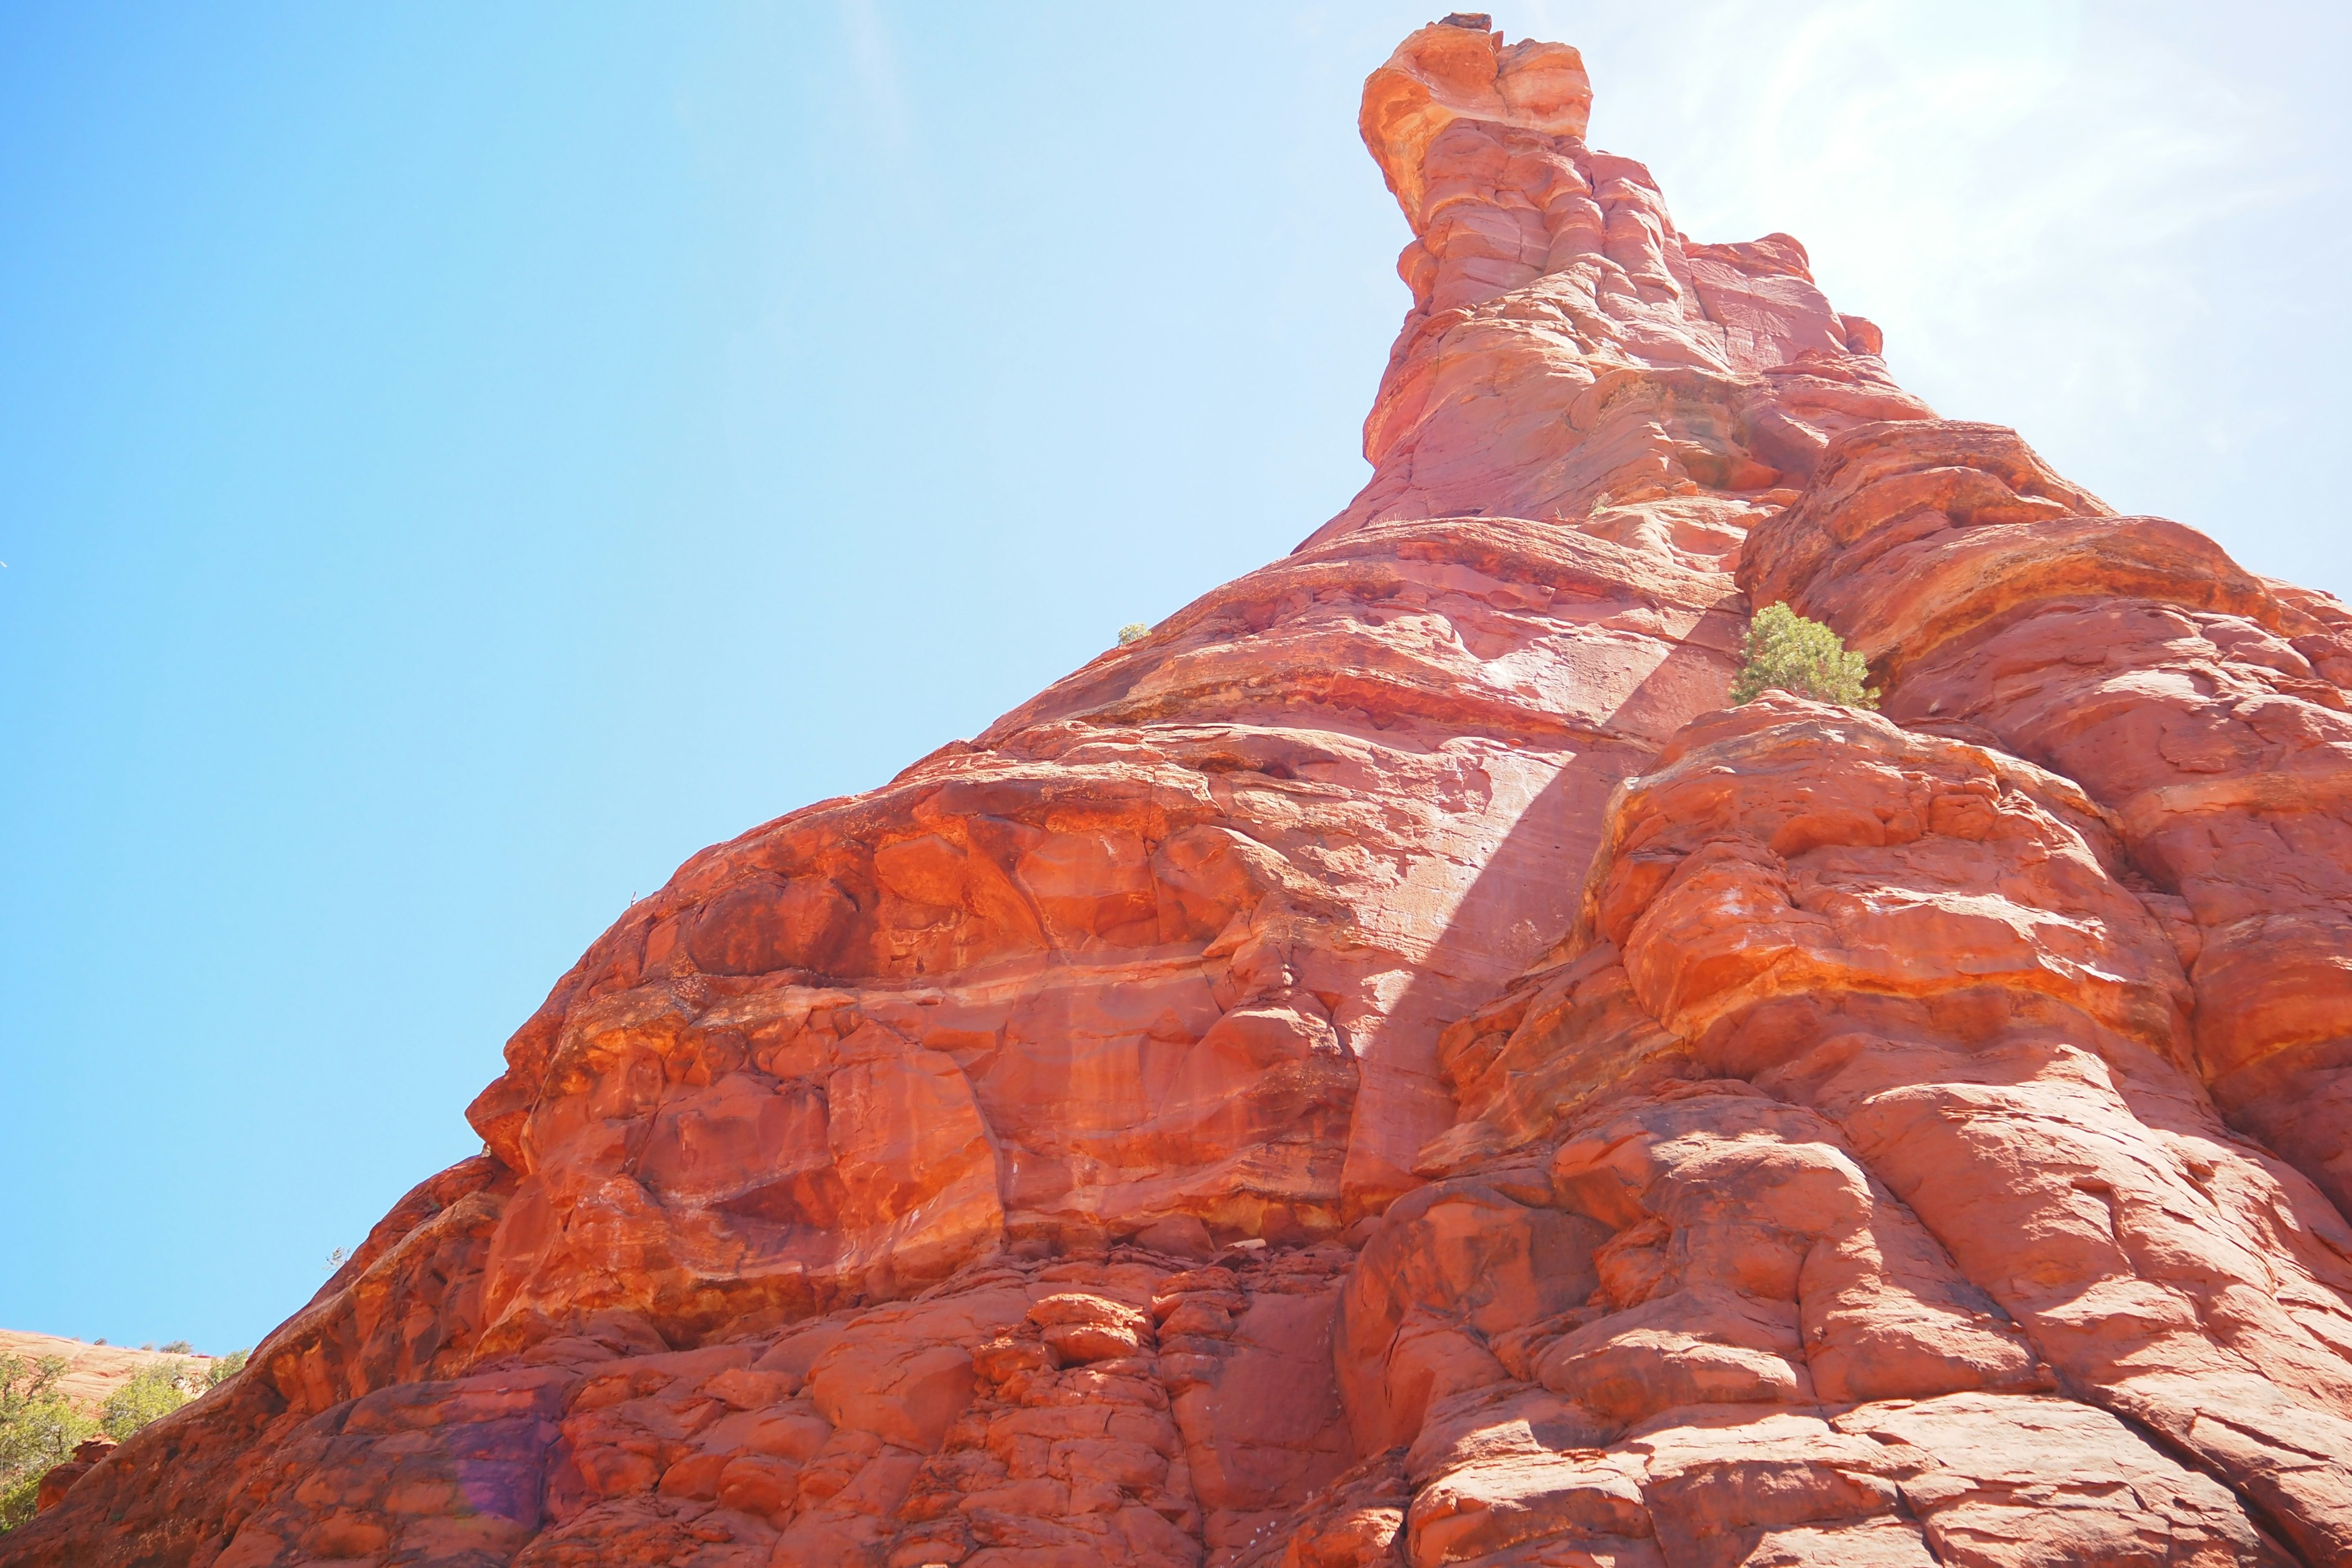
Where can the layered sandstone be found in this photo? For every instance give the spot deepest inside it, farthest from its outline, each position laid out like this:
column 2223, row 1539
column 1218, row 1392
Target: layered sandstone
column 1387, row 1069
column 2204, row 707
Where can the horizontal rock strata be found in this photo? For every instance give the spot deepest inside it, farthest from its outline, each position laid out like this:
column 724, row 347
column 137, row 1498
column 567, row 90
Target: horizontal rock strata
column 2203, row 706
column 1388, row 1069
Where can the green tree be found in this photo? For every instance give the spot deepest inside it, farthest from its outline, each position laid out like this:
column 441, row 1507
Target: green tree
column 156, row 1389
column 1786, row 652
column 38, row 1429
column 224, row 1369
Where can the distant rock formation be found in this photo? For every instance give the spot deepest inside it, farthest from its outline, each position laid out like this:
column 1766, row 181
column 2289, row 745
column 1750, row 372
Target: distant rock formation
column 1386, row 1069
column 95, row 1371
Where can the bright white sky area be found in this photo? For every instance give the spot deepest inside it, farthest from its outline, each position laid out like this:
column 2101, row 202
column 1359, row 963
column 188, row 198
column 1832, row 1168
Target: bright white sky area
column 2118, row 227
column 458, row 461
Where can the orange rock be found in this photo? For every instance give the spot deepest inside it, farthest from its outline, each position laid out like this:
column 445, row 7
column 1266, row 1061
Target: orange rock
column 2204, row 707
column 1385, row 1069
column 58, row 1479
column 1570, row 356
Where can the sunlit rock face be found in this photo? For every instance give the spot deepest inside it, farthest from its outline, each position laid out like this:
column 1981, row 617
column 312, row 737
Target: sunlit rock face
column 1387, row 1069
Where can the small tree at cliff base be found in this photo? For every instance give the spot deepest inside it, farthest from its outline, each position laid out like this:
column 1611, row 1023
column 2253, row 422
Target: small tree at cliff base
column 156, row 1389
column 1786, row 652
column 38, row 1429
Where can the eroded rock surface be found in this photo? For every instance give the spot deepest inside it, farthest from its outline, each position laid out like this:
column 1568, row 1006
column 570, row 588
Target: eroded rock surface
column 2202, row 706
column 1386, row 1070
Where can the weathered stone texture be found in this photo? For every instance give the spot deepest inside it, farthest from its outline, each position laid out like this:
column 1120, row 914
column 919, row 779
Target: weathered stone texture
column 1387, row 1069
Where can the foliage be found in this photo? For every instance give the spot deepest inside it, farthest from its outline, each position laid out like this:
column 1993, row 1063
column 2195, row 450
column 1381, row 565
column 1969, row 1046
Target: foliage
column 38, row 1429
column 1786, row 652
column 1134, row 631
column 178, row 1347
column 156, row 1389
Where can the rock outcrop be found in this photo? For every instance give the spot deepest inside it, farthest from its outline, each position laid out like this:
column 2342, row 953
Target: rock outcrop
column 59, row 1479
column 1388, row 1069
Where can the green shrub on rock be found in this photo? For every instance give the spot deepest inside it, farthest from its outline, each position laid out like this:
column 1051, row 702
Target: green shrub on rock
column 1786, row 652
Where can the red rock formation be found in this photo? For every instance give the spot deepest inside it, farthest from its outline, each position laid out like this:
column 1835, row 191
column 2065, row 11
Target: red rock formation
column 1386, row 1070
column 59, row 1479
column 2204, row 707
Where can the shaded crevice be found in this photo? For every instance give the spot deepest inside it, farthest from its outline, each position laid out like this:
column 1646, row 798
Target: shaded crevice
column 2274, row 1533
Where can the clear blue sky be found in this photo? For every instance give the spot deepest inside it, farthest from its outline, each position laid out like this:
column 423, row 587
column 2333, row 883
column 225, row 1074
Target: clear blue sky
column 457, row 460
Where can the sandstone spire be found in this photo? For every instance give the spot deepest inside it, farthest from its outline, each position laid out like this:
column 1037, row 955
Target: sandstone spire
column 1388, row 1069
column 1572, row 356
